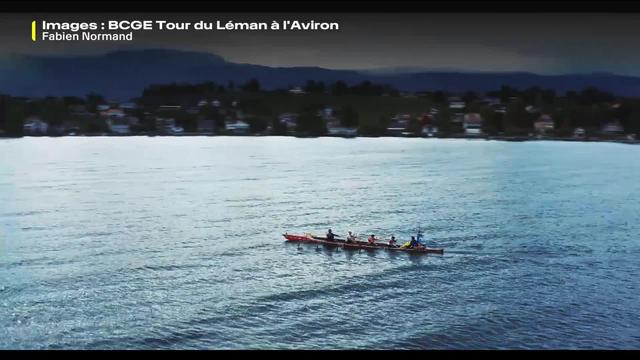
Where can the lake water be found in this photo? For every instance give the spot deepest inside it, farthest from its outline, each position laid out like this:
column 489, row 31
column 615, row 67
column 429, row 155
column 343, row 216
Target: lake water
column 176, row 242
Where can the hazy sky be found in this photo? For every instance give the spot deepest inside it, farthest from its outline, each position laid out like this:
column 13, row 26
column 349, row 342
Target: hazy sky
column 541, row 43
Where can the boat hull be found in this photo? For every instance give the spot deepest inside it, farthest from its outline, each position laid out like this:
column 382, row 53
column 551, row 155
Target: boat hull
column 360, row 245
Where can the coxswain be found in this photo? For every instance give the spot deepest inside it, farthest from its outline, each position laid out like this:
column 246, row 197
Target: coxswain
column 413, row 243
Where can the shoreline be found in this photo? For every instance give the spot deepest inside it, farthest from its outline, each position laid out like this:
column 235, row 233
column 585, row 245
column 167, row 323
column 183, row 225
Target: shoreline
column 461, row 137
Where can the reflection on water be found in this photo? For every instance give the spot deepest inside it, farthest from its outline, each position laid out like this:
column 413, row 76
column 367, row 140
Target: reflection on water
column 176, row 243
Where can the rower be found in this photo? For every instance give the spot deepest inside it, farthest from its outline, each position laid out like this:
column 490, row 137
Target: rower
column 409, row 244
column 372, row 239
column 330, row 235
column 413, row 243
column 392, row 242
column 351, row 238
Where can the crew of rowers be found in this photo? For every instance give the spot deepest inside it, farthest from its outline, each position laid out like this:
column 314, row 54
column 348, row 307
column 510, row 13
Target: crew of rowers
column 372, row 240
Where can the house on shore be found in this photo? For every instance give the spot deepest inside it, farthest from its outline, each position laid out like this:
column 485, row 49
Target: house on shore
column 579, row 133
column 342, row 131
column 289, row 120
column 398, row 125
column 612, row 128
column 428, row 127
column 34, row 125
column 113, row 113
column 532, row 109
column 544, row 125
column 128, row 106
column 456, row 104
column 472, row 124
column 238, row 127
column 120, row 126
column 168, row 126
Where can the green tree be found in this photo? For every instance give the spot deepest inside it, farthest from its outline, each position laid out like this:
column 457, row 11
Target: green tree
column 376, row 128
column 278, row 128
column 93, row 100
column 350, row 116
column 339, row 88
column 257, row 124
column 210, row 112
column 53, row 111
column 309, row 123
column 313, row 87
column 517, row 120
column 491, row 121
column 252, row 86
column 443, row 121
column 14, row 116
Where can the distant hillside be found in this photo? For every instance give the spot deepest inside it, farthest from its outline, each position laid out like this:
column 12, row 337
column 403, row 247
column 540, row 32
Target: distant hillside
column 123, row 74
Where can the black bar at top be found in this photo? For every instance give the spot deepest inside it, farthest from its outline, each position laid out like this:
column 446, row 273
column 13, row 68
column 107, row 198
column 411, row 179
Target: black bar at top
column 319, row 6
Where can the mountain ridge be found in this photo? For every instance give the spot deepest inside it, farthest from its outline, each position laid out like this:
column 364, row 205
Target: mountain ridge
column 123, row 74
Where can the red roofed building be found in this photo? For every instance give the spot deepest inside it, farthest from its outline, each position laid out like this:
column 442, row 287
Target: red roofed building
column 472, row 124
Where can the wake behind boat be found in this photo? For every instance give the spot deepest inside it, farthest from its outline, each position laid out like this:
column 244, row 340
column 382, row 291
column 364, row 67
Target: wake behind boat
column 311, row 239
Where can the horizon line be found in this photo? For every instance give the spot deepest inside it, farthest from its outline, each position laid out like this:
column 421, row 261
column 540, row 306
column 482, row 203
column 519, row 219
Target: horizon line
column 379, row 71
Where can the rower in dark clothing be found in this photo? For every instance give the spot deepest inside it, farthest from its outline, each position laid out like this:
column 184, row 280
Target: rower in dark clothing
column 413, row 242
column 330, row 235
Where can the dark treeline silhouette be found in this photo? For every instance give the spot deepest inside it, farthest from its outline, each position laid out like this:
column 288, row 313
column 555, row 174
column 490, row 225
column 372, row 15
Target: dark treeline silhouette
column 506, row 110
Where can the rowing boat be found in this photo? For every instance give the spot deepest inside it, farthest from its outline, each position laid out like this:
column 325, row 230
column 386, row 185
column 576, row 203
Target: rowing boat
column 358, row 245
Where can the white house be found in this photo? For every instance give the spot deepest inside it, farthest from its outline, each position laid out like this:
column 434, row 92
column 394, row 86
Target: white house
column 531, row 109
column 289, row 119
column 544, row 124
column 429, row 130
column 472, row 124
column 33, row 125
column 128, row 106
column 238, row 127
column 119, row 126
column 168, row 126
column 296, row 91
column 613, row 128
column 398, row 124
column 456, row 103
column 342, row 131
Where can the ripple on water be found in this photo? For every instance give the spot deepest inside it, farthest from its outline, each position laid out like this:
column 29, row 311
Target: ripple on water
column 149, row 248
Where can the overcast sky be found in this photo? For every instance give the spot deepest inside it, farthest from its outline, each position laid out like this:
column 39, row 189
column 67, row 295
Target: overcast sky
column 540, row 43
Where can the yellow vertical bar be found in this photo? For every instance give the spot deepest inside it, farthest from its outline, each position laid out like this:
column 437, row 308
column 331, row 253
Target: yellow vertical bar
column 33, row 30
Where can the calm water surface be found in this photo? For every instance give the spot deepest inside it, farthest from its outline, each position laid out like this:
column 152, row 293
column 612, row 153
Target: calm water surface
column 173, row 242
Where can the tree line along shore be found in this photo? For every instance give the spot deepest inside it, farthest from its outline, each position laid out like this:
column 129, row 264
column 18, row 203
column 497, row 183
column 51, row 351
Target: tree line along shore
column 335, row 109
